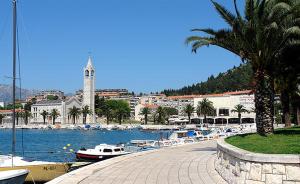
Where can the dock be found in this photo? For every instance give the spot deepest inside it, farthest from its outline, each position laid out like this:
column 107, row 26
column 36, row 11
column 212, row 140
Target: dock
column 186, row 164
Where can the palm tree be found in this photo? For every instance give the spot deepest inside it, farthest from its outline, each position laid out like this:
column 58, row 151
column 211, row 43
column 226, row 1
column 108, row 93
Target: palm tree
column 145, row 112
column 122, row 110
column 189, row 109
column 257, row 37
column 26, row 115
column 161, row 114
column 240, row 109
column 205, row 107
column 85, row 111
column 18, row 115
column 74, row 112
column 54, row 114
column 44, row 114
column 1, row 118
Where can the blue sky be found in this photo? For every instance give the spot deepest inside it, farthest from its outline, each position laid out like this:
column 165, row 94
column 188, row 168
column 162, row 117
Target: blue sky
column 135, row 44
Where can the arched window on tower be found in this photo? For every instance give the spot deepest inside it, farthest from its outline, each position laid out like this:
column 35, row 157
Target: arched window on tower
column 92, row 73
column 87, row 73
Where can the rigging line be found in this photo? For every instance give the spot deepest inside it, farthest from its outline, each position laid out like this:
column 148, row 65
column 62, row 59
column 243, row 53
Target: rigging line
column 20, row 82
column 26, row 38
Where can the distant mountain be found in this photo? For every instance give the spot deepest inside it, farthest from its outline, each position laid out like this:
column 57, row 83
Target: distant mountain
column 6, row 93
column 235, row 79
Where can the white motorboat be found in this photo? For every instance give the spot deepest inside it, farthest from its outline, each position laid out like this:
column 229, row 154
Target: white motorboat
column 182, row 137
column 100, row 152
column 13, row 176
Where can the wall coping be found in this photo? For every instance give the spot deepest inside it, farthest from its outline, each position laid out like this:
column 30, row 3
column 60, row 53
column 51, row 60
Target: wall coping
column 257, row 157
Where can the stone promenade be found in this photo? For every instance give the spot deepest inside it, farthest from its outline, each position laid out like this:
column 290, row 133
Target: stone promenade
column 187, row 164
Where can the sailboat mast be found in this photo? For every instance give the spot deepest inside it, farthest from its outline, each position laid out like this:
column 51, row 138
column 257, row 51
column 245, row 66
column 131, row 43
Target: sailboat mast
column 14, row 77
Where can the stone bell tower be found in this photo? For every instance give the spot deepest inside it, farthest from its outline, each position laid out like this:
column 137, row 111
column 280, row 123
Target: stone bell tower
column 89, row 90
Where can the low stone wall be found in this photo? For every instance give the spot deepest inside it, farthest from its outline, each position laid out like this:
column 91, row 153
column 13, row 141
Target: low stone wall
column 238, row 166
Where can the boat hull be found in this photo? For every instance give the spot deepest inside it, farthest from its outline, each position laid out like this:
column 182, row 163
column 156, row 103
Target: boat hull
column 42, row 173
column 90, row 157
column 17, row 179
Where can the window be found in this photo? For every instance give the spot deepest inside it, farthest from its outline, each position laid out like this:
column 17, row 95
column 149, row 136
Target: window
column 87, row 73
column 92, row 74
column 223, row 112
column 107, row 150
column 117, row 150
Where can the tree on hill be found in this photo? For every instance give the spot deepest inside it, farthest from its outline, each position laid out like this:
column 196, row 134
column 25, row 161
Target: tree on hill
column 52, row 97
column 238, row 78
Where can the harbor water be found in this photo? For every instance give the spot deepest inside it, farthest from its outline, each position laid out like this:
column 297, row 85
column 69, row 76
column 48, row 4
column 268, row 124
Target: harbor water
column 47, row 145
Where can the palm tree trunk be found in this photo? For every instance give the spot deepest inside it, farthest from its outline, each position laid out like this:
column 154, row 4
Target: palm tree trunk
column 107, row 120
column 205, row 120
column 53, row 122
column 298, row 115
column 285, row 101
column 240, row 118
column 264, row 102
column 146, row 119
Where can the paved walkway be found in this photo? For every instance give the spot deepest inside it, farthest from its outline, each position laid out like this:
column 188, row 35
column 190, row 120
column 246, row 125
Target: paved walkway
column 186, row 164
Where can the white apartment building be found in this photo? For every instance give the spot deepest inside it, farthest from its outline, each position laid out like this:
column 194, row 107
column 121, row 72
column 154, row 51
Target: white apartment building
column 224, row 104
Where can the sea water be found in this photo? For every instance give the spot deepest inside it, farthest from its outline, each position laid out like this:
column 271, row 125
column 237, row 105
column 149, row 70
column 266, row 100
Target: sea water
column 47, row 145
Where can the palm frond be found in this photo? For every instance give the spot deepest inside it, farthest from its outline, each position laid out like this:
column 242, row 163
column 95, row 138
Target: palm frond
column 249, row 9
column 224, row 13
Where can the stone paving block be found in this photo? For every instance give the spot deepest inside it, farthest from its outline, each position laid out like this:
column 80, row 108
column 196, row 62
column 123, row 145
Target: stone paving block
column 176, row 165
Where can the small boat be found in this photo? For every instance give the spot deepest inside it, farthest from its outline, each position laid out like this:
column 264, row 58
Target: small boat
column 40, row 171
column 100, row 152
column 183, row 137
column 141, row 143
column 13, row 177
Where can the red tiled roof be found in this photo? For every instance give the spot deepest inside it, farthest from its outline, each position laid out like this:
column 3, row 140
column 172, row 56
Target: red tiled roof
column 10, row 111
column 211, row 95
column 151, row 106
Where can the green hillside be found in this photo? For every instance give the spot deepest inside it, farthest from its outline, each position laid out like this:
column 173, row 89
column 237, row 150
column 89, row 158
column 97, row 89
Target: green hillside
column 237, row 78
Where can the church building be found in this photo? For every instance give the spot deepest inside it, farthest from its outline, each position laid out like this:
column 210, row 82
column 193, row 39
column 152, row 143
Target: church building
column 63, row 106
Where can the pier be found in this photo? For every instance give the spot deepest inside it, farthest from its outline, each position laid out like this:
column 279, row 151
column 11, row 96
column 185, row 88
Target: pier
column 186, row 164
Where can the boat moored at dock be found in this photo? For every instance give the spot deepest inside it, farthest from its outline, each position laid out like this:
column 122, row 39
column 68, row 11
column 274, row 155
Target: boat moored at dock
column 13, row 176
column 100, row 152
column 40, row 171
